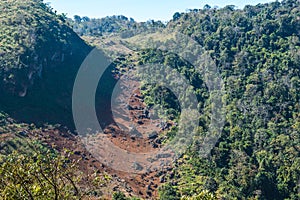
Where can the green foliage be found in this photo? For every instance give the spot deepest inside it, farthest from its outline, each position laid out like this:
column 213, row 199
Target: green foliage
column 39, row 52
column 256, row 50
column 121, row 196
column 168, row 192
column 112, row 25
column 204, row 195
column 39, row 175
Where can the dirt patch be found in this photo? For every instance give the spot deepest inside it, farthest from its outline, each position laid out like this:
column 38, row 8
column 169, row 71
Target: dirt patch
column 128, row 149
column 142, row 185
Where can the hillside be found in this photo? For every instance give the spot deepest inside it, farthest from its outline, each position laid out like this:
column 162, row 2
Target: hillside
column 256, row 53
column 39, row 53
column 121, row 25
column 40, row 57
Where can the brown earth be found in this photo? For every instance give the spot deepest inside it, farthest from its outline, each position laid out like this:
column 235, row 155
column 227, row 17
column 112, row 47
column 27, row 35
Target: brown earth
column 142, row 185
column 131, row 113
column 130, row 134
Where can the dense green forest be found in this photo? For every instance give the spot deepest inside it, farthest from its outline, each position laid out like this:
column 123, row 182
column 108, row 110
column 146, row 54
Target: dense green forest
column 111, row 25
column 256, row 51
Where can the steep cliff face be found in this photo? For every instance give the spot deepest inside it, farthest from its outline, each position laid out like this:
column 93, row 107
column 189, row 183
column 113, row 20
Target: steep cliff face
column 40, row 55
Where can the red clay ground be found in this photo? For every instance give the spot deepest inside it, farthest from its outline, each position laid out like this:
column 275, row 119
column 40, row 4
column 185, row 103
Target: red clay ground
column 128, row 133
column 143, row 185
column 99, row 153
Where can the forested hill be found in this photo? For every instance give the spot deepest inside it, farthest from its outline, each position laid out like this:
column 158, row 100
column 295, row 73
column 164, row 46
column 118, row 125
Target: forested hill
column 39, row 53
column 85, row 26
column 257, row 51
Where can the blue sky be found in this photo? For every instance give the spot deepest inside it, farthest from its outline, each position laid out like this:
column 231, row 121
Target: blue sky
column 140, row 10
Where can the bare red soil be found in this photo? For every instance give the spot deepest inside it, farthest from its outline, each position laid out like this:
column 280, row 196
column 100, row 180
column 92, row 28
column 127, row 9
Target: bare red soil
column 97, row 154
